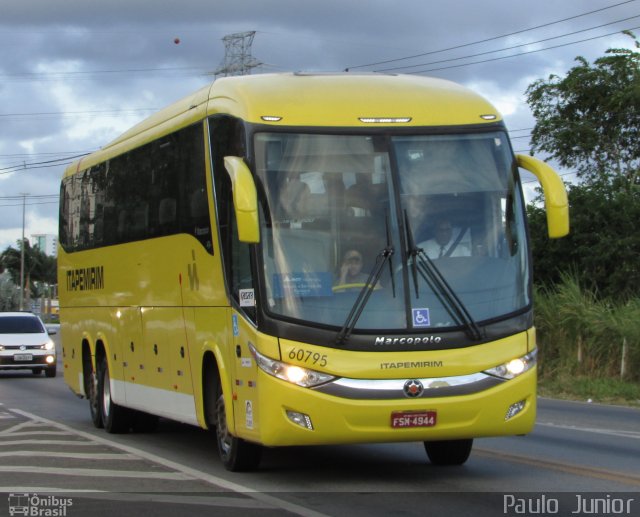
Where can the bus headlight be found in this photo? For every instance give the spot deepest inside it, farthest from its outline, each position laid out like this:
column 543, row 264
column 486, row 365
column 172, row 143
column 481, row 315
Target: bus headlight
column 515, row 367
column 289, row 372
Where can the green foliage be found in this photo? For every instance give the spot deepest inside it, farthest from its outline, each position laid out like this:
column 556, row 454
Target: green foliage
column 590, row 120
column 39, row 270
column 611, row 391
column 580, row 335
column 603, row 247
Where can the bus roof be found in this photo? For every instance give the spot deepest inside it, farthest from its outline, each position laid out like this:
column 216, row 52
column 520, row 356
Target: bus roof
column 297, row 99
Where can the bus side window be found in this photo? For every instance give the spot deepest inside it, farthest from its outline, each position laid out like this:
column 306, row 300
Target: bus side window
column 227, row 139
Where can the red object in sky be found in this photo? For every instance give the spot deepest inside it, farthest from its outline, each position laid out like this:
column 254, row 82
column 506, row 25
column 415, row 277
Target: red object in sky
column 176, row 41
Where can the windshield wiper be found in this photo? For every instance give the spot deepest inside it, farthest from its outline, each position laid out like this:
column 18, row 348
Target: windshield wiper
column 422, row 264
column 363, row 296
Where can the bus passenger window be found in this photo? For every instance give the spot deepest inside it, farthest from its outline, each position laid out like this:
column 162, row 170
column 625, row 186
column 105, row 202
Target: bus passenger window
column 167, row 216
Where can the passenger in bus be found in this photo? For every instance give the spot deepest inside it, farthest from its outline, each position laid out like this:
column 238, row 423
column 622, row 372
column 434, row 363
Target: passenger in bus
column 447, row 242
column 294, row 196
column 350, row 273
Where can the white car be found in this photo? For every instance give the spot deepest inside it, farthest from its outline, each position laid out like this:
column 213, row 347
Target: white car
column 25, row 344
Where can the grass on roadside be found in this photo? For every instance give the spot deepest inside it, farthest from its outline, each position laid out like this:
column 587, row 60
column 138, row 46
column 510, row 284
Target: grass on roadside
column 599, row 390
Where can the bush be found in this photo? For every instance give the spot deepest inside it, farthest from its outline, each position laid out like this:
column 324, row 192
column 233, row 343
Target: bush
column 580, row 335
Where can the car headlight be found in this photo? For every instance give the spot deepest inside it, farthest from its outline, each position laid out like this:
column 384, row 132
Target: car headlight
column 289, row 372
column 49, row 345
column 515, row 367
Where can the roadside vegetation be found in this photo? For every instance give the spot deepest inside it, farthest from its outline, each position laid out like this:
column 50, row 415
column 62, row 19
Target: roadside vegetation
column 587, row 292
column 589, row 349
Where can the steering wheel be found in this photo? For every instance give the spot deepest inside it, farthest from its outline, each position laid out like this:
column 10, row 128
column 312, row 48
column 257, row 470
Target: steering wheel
column 355, row 285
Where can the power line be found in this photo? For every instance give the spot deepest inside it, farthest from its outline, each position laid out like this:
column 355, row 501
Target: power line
column 28, row 196
column 521, row 53
column 512, row 47
column 44, row 164
column 493, row 38
column 19, row 155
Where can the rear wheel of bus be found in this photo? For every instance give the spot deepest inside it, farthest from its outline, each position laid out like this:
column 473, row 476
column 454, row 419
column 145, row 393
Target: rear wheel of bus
column 448, row 452
column 115, row 418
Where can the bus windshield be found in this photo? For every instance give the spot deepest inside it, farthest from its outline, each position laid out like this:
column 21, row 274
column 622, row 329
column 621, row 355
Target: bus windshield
column 336, row 208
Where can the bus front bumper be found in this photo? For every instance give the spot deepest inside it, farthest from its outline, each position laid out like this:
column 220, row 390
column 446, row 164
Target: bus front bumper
column 286, row 414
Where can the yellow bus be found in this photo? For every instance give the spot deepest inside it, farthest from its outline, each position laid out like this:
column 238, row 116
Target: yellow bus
column 306, row 259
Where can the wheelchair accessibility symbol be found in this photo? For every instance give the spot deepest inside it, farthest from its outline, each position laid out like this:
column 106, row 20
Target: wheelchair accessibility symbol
column 421, row 317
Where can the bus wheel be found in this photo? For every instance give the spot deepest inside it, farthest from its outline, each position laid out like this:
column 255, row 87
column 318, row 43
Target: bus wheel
column 116, row 419
column 51, row 371
column 237, row 455
column 448, row 452
column 94, row 400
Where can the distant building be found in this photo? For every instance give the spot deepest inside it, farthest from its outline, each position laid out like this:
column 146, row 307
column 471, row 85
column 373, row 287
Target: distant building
column 48, row 243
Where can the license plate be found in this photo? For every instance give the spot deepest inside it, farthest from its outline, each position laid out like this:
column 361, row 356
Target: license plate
column 23, row 357
column 404, row 419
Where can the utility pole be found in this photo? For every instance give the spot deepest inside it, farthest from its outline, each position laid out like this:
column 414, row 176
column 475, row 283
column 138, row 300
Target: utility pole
column 24, row 201
column 237, row 57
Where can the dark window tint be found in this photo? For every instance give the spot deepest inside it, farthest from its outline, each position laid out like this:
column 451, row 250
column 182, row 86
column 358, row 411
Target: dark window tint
column 156, row 190
column 21, row 325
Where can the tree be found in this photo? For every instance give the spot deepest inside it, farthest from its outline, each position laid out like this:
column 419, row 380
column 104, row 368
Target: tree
column 38, row 266
column 602, row 250
column 589, row 121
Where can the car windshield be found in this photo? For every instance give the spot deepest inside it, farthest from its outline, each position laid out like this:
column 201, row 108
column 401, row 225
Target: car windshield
column 20, row 325
column 336, row 206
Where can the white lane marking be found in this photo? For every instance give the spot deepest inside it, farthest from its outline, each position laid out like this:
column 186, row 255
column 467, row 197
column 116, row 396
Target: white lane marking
column 36, row 433
column 22, row 425
column 271, row 501
column 66, row 471
column 71, row 455
column 635, row 435
column 45, row 442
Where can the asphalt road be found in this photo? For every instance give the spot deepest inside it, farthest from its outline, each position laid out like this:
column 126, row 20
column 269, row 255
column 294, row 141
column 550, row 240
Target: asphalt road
column 580, row 457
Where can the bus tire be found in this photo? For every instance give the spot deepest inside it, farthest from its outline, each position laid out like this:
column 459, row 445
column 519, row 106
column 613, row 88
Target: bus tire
column 91, row 388
column 237, row 455
column 449, row 452
column 115, row 418
column 51, row 371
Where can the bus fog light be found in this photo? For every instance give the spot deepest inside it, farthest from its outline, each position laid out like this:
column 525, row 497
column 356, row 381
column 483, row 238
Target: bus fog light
column 50, row 359
column 514, row 409
column 300, row 419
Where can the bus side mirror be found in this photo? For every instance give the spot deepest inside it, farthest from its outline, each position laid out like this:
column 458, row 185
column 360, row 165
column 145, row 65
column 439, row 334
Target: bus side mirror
column 245, row 199
column 555, row 195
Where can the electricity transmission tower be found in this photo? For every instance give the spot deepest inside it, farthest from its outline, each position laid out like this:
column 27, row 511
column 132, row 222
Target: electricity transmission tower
column 237, row 56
